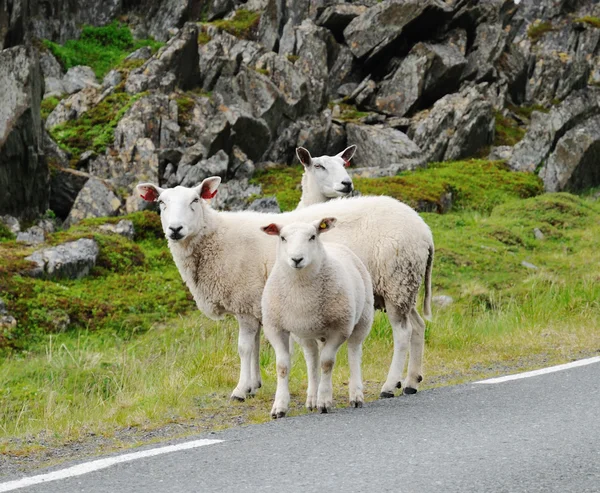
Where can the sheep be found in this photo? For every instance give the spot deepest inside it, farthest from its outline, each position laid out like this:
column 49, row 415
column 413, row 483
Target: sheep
column 325, row 177
column 225, row 261
column 320, row 294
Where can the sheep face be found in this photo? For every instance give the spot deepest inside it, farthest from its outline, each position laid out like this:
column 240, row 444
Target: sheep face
column 299, row 244
column 329, row 172
column 182, row 209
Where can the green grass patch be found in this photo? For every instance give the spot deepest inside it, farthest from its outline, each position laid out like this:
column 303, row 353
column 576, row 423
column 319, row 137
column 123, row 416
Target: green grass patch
column 505, row 318
column 349, row 113
column 537, row 29
column 508, row 131
column 133, row 285
column 589, row 20
column 243, row 25
column 526, row 111
column 292, row 58
column 48, row 105
column 475, row 184
column 94, row 129
column 5, row 233
column 203, row 37
column 101, row 48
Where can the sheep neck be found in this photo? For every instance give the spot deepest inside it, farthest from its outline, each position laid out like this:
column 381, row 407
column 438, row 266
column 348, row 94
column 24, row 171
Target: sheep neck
column 310, row 190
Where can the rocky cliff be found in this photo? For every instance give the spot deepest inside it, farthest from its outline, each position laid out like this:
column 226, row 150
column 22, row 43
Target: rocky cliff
column 237, row 86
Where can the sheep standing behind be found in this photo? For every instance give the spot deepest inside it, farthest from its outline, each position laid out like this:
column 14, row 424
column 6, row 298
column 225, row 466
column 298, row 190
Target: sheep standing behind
column 320, row 294
column 325, row 177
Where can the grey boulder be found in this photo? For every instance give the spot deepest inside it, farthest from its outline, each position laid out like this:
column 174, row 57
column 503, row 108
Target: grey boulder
column 95, row 199
column 72, row 260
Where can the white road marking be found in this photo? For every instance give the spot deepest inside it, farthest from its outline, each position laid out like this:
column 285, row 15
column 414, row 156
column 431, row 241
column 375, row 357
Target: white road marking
column 96, row 465
column 543, row 371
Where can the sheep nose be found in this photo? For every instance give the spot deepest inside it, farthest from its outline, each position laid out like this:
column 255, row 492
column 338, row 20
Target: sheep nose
column 347, row 186
column 297, row 261
column 176, row 229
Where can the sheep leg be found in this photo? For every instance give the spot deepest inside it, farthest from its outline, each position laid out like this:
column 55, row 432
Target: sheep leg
column 401, row 330
column 311, row 356
column 255, row 369
column 415, row 360
column 280, row 340
column 249, row 327
column 328, row 354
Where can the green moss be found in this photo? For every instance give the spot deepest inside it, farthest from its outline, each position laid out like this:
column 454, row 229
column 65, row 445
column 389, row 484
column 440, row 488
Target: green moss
column 185, row 105
column 537, row 29
column 94, row 129
column 203, row 37
column 349, row 113
column 262, row 71
column 508, row 131
column 475, row 185
column 293, row 58
column 244, row 24
column 589, row 20
column 526, row 111
column 48, row 105
column 101, row 48
column 132, row 64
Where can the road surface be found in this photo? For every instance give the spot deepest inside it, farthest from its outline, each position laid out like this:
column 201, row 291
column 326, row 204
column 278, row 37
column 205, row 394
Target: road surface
column 538, row 434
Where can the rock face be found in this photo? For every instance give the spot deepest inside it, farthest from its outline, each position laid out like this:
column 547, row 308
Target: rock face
column 95, row 199
column 23, row 168
column 72, row 260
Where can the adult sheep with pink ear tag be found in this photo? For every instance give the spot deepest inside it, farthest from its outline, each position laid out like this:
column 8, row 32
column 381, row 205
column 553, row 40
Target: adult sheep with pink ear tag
column 225, row 260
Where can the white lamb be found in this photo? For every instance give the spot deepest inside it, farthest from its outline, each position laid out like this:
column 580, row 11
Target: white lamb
column 325, row 177
column 323, row 295
column 225, row 261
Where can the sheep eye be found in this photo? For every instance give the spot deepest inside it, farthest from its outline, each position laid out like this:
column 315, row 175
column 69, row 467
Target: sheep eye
column 312, row 238
column 160, row 203
column 283, row 239
column 318, row 166
column 196, row 200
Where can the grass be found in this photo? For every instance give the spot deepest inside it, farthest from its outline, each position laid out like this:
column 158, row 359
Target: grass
column 133, row 285
column 243, row 25
column 101, row 48
column 48, row 105
column 537, row 29
column 475, row 184
column 508, row 131
column 589, row 20
column 170, row 365
column 94, row 129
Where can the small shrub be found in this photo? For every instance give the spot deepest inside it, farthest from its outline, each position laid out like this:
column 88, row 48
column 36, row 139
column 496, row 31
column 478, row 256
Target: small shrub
column 5, row 233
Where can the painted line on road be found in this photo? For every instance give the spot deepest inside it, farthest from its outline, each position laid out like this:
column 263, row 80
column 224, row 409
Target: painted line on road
column 543, row 371
column 96, row 465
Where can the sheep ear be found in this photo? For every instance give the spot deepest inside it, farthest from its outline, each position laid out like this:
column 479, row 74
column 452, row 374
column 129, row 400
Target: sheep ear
column 347, row 154
column 149, row 192
column 304, row 156
column 325, row 224
column 272, row 229
column 208, row 188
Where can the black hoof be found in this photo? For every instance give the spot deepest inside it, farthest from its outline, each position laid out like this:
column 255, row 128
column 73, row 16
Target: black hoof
column 386, row 395
column 260, row 384
column 281, row 414
column 399, row 385
column 323, row 410
column 420, row 378
column 356, row 404
column 410, row 391
column 236, row 398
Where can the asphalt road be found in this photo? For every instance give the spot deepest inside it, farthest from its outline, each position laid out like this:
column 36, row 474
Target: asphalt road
column 539, row 434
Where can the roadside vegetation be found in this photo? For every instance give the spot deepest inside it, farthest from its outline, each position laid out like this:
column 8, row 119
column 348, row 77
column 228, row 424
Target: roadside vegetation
column 133, row 353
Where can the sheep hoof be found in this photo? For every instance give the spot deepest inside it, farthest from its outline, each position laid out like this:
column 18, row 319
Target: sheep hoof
column 410, row 391
column 399, row 385
column 281, row 414
column 237, row 398
column 356, row 404
column 323, row 410
column 386, row 395
column 420, row 378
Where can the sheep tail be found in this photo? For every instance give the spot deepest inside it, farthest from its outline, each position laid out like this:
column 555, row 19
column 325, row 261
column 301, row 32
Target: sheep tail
column 427, row 297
